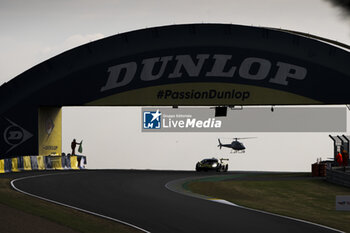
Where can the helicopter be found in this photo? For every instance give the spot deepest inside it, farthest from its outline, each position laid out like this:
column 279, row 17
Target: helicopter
column 235, row 145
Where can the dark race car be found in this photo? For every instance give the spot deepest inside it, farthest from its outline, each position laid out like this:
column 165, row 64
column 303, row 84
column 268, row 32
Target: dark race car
column 212, row 164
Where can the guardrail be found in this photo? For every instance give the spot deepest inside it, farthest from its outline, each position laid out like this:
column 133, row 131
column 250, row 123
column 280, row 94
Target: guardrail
column 339, row 175
column 40, row 162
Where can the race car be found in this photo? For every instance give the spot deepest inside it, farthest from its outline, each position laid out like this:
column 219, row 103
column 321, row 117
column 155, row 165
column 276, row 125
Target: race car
column 212, row 164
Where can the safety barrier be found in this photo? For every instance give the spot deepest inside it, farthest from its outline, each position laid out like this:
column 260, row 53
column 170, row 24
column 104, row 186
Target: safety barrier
column 339, row 175
column 39, row 162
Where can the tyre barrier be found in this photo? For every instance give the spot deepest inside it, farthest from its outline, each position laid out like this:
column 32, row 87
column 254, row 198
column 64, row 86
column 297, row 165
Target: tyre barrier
column 40, row 162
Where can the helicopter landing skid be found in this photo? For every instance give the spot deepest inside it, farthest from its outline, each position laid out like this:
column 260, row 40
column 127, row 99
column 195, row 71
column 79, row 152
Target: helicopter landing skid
column 237, row 151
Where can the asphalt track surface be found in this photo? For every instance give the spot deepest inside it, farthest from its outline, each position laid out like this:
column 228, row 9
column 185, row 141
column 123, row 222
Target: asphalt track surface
column 141, row 198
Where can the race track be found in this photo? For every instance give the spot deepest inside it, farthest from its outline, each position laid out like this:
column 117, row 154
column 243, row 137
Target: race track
column 141, row 198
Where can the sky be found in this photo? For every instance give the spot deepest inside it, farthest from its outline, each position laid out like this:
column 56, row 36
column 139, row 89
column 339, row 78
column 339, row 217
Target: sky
column 35, row 30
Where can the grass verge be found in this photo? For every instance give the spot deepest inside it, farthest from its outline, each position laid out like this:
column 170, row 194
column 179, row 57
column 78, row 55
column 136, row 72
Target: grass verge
column 295, row 195
column 73, row 219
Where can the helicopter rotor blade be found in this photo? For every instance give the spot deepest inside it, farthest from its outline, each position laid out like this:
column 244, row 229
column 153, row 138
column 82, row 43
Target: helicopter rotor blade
column 247, row 138
column 240, row 138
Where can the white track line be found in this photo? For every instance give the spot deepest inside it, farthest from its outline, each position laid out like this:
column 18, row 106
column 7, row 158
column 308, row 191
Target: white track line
column 221, row 201
column 69, row 206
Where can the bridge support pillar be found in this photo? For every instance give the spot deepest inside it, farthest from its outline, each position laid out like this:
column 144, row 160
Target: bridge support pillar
column 50, row 130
